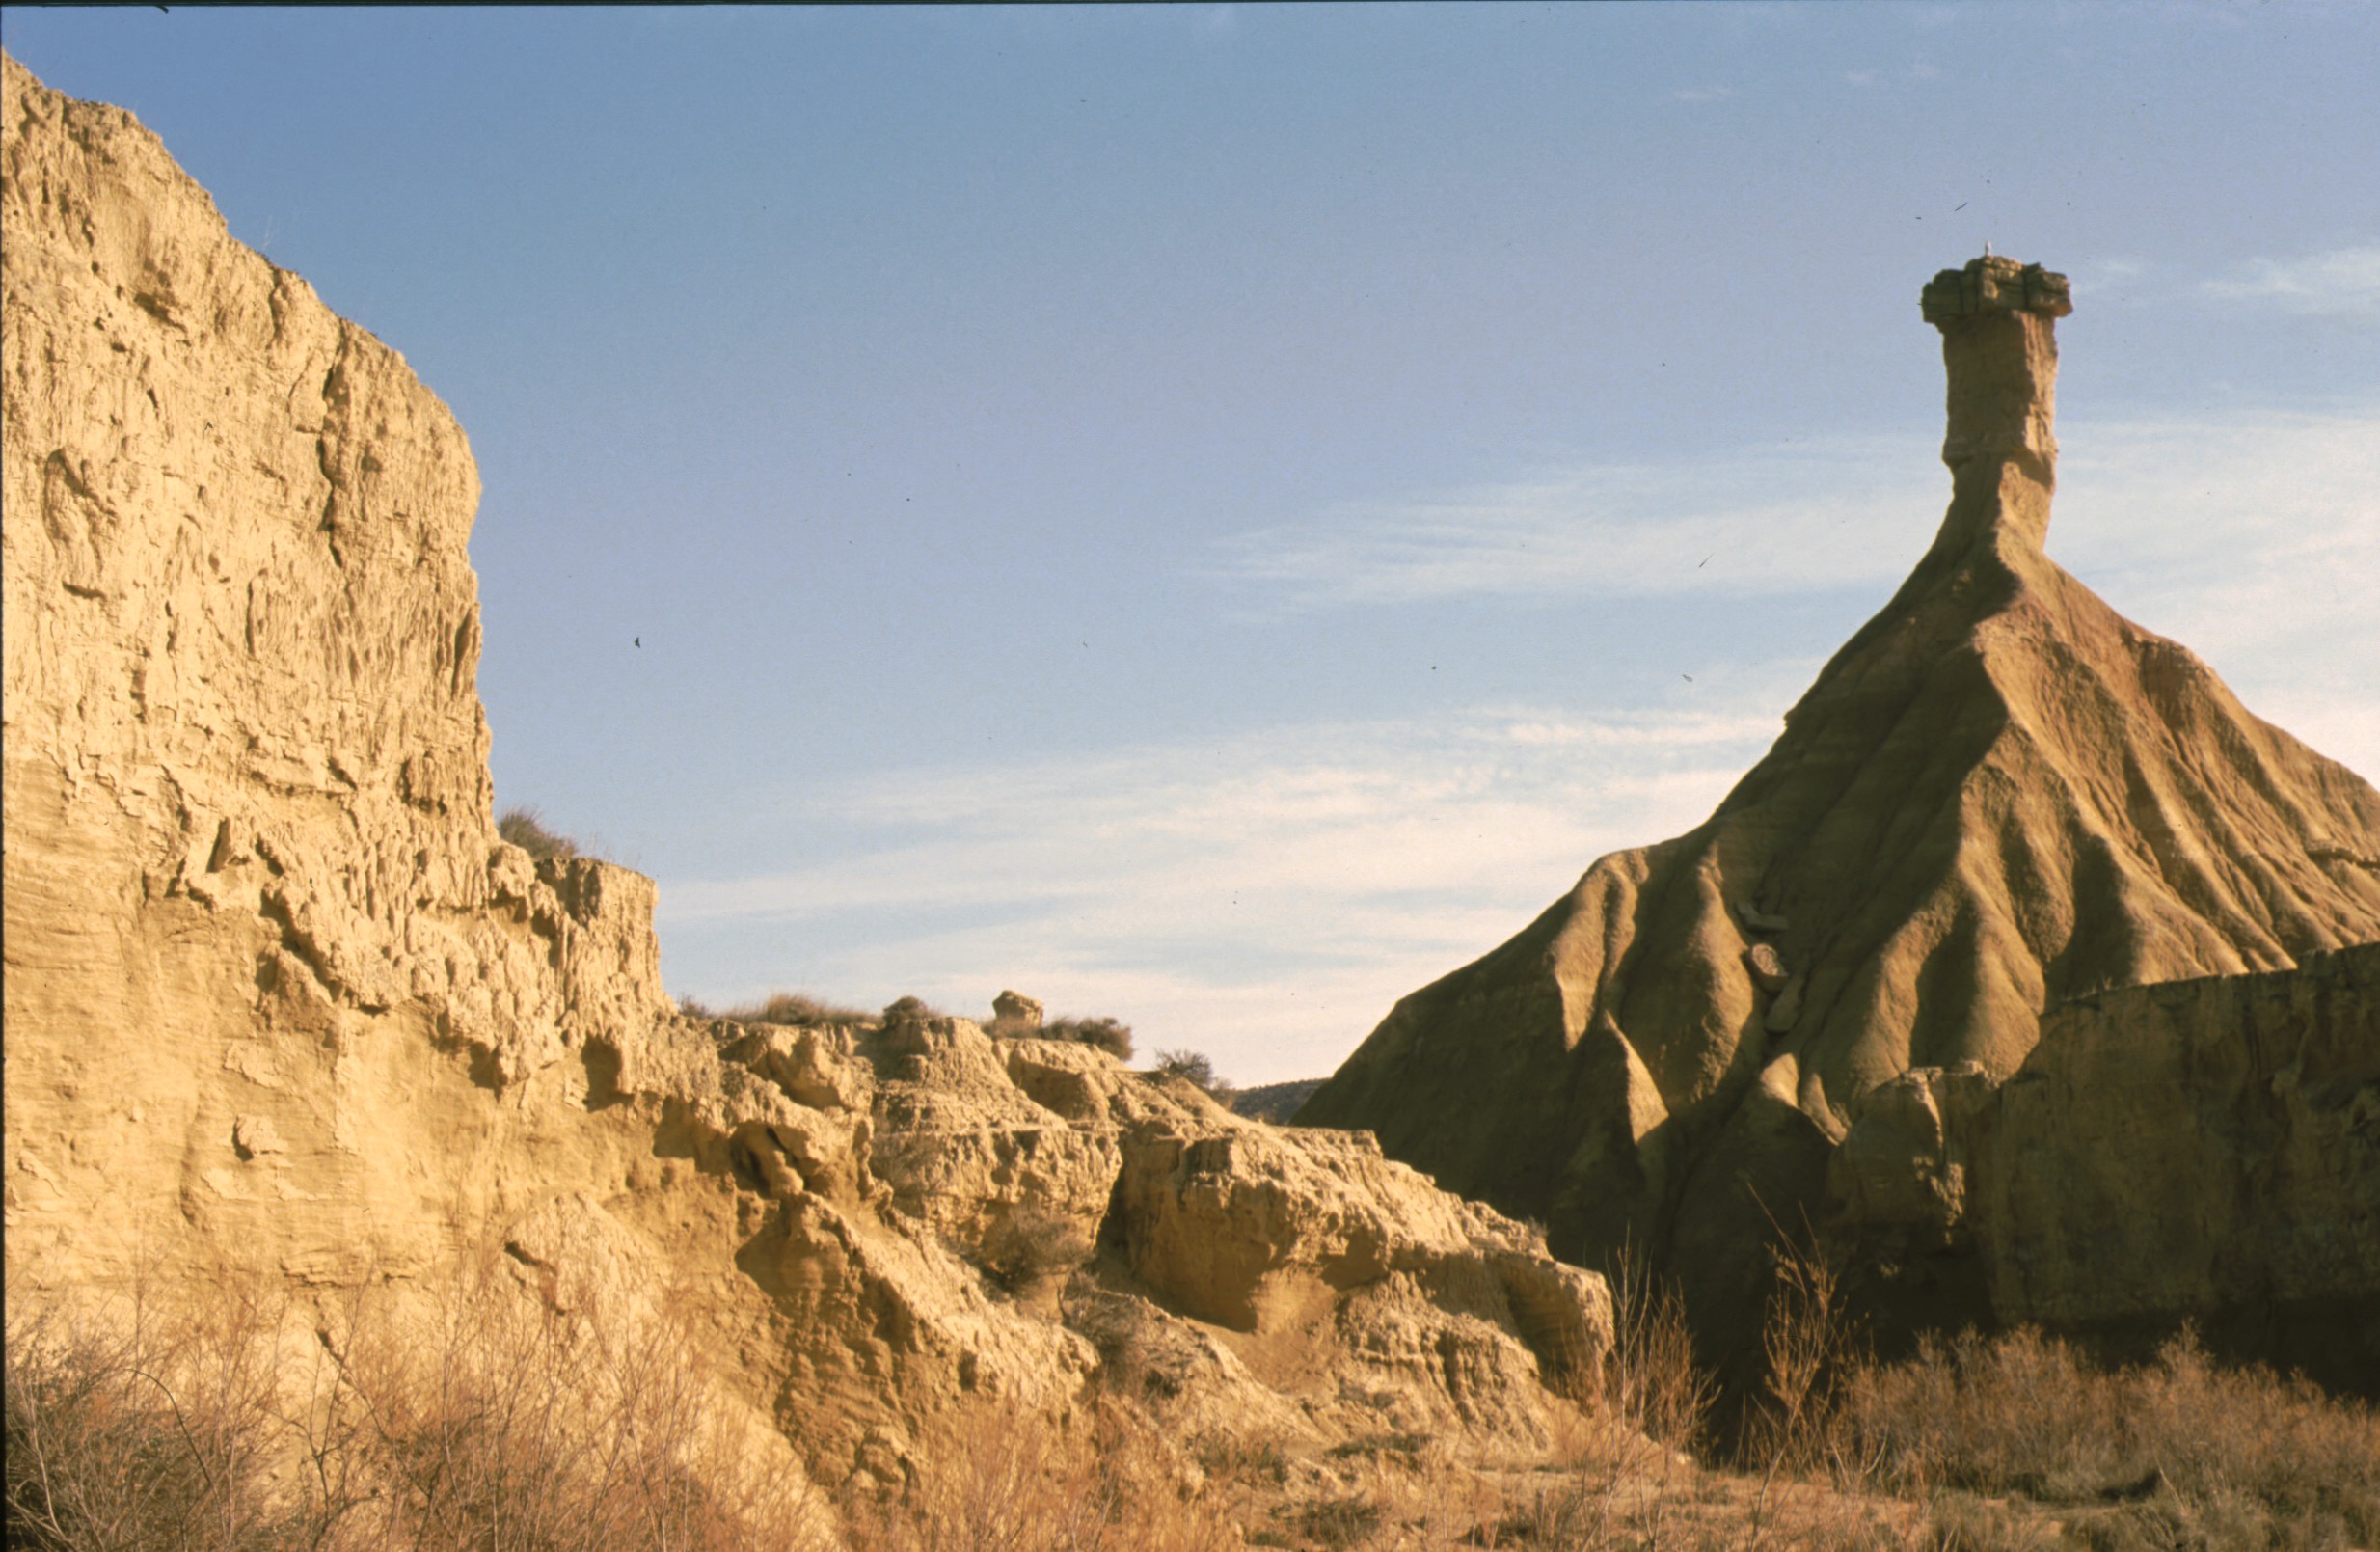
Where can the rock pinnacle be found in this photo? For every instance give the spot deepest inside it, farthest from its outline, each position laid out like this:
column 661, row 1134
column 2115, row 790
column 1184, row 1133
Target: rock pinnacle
column 2000, row 348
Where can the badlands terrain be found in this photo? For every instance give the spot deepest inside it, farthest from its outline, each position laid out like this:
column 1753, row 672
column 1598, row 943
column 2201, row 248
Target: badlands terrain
column 364, row 1187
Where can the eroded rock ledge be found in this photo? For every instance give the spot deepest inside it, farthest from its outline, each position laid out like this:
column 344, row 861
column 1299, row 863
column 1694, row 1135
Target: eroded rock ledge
column 935, row 1214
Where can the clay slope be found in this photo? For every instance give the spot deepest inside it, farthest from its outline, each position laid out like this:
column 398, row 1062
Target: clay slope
column 1999, row 795
column 282, row 1006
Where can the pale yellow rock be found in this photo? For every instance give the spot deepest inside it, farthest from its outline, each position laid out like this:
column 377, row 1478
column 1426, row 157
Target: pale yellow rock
column 249, row 846
column 280, row 1002
column 1767, row 966
column 1017, row 1011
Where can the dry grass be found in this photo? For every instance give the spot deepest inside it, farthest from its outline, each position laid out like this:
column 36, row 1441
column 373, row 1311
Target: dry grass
column 2193, row 1453
column 492, row 1423
column 483, row 1416
column 1001, row 1482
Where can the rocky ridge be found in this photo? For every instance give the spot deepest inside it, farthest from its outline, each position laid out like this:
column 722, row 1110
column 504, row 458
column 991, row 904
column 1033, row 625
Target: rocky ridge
column 1998, row 799
column 281, row 1003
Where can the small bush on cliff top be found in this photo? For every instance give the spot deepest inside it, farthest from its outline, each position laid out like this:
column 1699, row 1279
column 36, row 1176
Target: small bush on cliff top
column 525, row 829
column 1195, row 1066
column 902, row 1012
column 797, row 1008
column 1110, row 1036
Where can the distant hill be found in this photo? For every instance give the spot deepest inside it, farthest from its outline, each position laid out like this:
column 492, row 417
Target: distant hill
column 1276, row 1103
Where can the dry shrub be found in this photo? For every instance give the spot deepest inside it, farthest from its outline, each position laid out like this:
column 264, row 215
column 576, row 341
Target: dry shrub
column 501, row 1418
column 2181, row 1443
column 797, row 1008
column 902, row 1013
column 1577, row 1513
column 1035, row 1243
column 1651, row 1382
column 1806, row 1344
column 1960, row 1523
column 1256, row 1462
column 1108, row 1034
column 1379, row 1447
column 129, row 1428
column 1195, row 1066
column 999, row 1481
column 1334, row 1522
column 491, row 1422
column 525, row 829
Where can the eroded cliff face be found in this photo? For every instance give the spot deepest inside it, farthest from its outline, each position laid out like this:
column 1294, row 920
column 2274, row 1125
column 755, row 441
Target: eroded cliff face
column 254, row 889
column 1999, row 797
column 281, row 1003
column 2204, row 1150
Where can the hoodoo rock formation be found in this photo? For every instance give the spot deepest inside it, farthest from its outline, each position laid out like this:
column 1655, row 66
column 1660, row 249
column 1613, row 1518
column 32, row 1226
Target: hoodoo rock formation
column 282, row 1003
column 1998, row 802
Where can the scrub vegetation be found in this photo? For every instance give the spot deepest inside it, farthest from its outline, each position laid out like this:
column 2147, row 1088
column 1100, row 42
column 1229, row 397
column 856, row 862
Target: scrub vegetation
column 477, row 1416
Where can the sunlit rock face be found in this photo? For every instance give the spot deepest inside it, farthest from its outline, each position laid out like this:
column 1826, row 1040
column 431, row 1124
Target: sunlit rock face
column 253, row 881
column 1999, row 797
column 281, row 1004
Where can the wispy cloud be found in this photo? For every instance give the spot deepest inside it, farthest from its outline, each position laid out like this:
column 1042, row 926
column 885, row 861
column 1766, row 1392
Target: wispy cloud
column 2250, row 541
column 1767, row 520
column 2339, row 284
column 2344, row 283
column 1266, row 899
column 2189, row 504
column 1704, row 93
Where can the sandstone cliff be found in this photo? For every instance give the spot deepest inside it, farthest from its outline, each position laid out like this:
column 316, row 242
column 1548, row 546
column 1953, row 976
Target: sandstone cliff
column 1997, row 798
column 281, row 1002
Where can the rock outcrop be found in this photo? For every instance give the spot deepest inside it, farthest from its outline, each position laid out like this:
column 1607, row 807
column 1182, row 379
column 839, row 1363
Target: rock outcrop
column 279, row 1001
column 1999, row 797
column 2204, row 1150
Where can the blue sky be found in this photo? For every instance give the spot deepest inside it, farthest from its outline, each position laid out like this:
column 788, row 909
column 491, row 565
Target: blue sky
column 1217, row 515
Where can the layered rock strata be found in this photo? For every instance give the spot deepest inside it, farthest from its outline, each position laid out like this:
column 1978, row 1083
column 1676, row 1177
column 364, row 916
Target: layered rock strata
column 281, row 1003
column 1997, row 798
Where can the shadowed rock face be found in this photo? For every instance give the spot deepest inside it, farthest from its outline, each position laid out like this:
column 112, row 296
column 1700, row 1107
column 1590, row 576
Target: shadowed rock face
column 1998, row 796
column 2205, row 1150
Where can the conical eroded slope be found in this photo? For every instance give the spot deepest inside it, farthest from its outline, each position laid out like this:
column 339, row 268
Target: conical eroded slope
column 1999, row 794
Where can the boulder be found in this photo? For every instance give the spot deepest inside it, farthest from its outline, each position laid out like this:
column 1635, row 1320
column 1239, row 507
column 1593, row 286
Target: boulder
column 1016, row 1013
